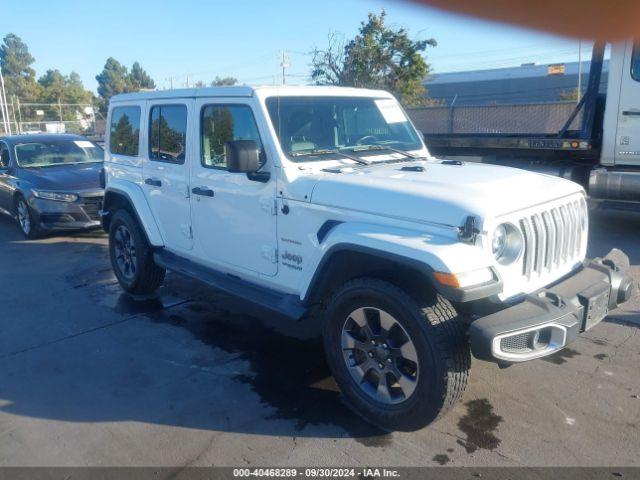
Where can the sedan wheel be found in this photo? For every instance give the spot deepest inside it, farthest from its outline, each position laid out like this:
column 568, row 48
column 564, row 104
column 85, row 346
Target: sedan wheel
column 24, row 217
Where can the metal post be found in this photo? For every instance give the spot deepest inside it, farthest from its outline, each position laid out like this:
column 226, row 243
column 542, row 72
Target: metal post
column 5, row 110
column 453, row 102
column 4, row 120
column 19, row 116
column 579, row 70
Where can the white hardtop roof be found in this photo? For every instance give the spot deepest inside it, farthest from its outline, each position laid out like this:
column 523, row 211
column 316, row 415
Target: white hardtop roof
column 247, row 91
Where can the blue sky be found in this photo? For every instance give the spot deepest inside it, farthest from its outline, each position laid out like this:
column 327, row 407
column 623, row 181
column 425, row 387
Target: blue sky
column 243, row 38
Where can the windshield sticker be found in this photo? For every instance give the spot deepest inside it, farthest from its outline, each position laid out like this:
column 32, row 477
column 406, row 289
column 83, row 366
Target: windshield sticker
column 83, row 143
column 390, row 110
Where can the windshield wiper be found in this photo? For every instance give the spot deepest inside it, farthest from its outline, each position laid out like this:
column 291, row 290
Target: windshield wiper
column 313, row 153
column 371, row 148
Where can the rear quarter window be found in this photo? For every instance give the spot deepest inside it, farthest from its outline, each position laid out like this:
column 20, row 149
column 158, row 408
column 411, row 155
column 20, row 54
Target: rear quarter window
column 124, row 131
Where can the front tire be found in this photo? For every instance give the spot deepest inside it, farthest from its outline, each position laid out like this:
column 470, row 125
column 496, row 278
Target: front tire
column 27, row 223
column 132, row 257
column 400, row 363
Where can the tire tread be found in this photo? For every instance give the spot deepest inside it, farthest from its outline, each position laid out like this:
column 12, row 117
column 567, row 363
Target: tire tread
column 150, row 275
column 446, row 328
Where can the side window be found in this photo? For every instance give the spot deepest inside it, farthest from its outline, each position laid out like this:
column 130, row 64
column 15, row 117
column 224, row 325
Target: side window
column 124, row 137
column 4, row 155
column 225, row 123
column 635, row 62
column 168, row 133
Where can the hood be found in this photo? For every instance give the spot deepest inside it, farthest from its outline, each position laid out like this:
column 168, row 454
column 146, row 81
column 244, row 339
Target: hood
column 442, row 193
column 63, row 177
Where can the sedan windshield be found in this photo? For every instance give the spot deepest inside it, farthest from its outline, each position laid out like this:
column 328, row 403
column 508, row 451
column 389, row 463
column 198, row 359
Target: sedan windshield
column 51, row 153
column 311, row 128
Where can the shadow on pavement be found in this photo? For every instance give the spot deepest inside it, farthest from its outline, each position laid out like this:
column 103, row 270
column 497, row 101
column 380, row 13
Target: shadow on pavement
column 189, row 357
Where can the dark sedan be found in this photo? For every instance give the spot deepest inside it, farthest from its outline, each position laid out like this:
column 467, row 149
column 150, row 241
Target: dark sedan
column 50, row 182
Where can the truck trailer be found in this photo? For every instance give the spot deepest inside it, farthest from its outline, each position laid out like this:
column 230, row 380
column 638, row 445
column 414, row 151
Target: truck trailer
column 598, row 145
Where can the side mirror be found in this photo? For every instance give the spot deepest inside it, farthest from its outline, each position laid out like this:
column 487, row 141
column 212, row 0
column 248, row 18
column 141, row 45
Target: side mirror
column 243, row 156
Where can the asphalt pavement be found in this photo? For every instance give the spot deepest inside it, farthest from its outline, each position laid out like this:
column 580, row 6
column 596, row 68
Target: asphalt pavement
column 90, row 376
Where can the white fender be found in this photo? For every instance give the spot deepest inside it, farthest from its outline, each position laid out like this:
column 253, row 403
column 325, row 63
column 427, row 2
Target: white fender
column 138, row 201
column 439, row 252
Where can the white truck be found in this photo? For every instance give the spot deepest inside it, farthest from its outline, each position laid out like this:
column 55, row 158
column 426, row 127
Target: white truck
column 322, row 204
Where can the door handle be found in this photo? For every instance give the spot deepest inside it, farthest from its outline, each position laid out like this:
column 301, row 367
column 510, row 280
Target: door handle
column 205, row 192
column 153, row 181
column 635, row 113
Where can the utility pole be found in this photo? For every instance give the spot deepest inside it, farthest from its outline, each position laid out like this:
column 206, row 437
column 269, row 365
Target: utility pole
column 284, row 63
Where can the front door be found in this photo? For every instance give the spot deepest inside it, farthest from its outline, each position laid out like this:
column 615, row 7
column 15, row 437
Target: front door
column 166, row 170
column 628, row 135
column 233, row 216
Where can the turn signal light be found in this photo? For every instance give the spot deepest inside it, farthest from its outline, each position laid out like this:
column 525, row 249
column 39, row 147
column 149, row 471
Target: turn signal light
column 448, row 279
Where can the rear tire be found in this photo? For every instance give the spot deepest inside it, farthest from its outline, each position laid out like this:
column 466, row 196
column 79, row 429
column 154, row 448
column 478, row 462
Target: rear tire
column 132, row 257
column 26, row 220
column 415, row 357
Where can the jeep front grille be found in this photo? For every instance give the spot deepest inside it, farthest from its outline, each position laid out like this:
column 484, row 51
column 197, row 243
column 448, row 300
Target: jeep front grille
column 552, row 237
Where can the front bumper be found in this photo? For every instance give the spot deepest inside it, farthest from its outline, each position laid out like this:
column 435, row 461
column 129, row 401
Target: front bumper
column 548, row 320
column 55, row 215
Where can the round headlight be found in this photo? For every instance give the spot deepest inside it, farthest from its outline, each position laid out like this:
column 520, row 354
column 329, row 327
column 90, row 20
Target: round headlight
column 506, row 243
column 499, row 241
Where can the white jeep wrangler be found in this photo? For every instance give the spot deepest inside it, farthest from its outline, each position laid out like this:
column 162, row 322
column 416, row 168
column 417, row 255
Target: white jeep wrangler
column 323, row 204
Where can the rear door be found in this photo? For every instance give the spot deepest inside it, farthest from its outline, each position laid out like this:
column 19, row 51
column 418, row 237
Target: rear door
column 166, row 169
column 627, row 151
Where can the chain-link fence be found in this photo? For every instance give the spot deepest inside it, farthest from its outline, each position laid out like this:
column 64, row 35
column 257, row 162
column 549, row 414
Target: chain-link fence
column 534, row 118
column 21, row 118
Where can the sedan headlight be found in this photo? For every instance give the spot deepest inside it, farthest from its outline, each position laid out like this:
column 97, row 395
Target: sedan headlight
column 506, row 243
column 60, row 197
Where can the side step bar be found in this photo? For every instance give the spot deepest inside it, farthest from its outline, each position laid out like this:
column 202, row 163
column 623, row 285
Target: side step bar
column 285, row 304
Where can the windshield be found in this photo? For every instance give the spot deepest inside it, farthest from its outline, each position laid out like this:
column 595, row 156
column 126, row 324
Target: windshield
column 57, row 152
column 324, row 125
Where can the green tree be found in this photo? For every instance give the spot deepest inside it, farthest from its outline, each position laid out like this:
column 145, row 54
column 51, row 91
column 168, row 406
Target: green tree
column 223, row 81
column 75, row 91
column 113, row 79
column 55, row 87
column 378, row 57
column 139, row 79
column 16, row 61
